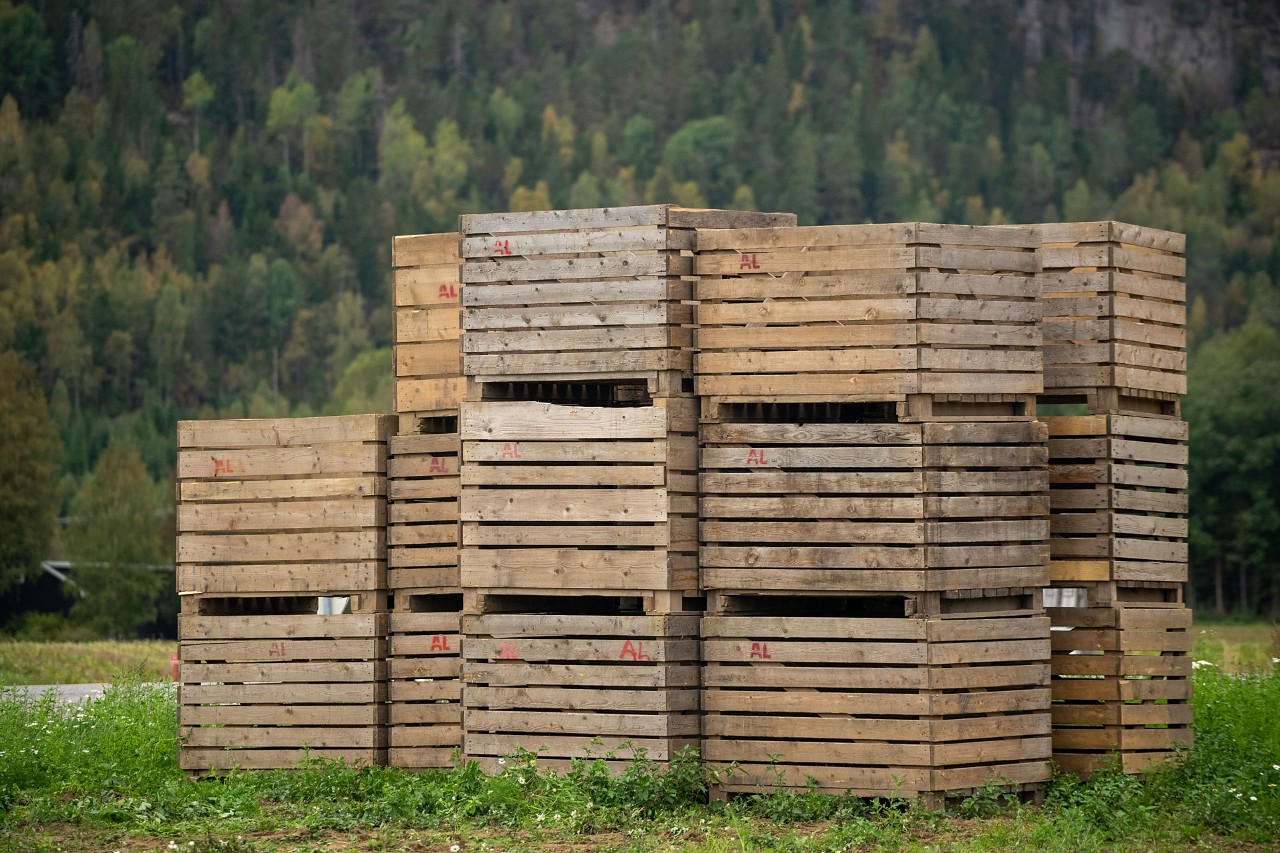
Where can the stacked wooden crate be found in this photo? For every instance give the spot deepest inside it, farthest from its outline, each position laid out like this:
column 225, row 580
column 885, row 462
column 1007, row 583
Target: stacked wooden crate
column 579, row 479
column 874, row 511
column 1115, row 340
column 276, row 518
column 422, row 504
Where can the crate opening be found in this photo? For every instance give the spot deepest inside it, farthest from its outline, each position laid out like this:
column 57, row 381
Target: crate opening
column 438, row 425
column 275, row 605
column 575, row 605
column 987, row 409
column 1013, row 600
column 1057, row 407
column 630, row 393
column 809, row 413
column 433, row 603
column 819, row 606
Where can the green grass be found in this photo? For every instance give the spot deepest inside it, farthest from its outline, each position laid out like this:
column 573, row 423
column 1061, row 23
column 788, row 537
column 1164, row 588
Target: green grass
column 28, row 662
column 103, row 776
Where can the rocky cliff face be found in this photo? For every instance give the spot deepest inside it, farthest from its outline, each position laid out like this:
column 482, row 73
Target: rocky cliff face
column 1208, row 45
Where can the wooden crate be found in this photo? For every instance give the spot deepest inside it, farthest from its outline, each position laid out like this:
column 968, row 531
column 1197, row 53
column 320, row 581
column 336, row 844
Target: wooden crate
column 576, row 685
column 873, row 507
column 293, row 505
column 422, row 508
column 1121, row 686
column 269, row 689
column 428, row 326
column 1114, row 314
column 604, row 293
column 869, row 312
column 875, row 705
column 1118, row 499
column 592, row 499
column 424, row 672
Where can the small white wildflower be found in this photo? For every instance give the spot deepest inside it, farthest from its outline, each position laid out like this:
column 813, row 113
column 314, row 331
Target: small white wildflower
column 85, row 751
column 173, row 845
column 191, row 844
column 1253, row 799
column 1196, row 664
column 1275, row 766
column 541, row 817
column 454, row 848
column 556, row 816
column 501, row 761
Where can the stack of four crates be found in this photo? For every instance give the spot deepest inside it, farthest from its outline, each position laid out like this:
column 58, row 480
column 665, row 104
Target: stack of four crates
column 1115, row 340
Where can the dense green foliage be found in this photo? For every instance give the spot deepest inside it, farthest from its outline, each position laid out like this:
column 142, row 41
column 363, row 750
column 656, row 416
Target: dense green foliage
column 110, row 762
column 196, row 200
column 28, row 470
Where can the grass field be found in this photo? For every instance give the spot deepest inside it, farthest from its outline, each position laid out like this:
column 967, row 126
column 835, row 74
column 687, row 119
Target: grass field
column 102, row 776
column 23, row 662
column 1237, row 646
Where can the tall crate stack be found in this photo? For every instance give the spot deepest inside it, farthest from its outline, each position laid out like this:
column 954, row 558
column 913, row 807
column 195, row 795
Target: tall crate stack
column 579, row 480
column 1115, row 342
column 874, row 507
column 425, row 663
column 276, row 518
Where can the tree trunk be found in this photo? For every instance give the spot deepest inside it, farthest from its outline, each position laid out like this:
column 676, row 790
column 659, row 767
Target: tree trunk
column 1244, row 588
column 1219, row 588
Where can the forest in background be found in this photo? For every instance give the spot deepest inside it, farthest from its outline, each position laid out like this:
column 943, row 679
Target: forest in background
column 197, row 202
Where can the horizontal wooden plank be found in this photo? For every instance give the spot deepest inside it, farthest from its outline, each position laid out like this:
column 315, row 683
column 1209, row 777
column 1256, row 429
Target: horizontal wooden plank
column 592, row 241
column 565, row 341
column 772, row 458
column 347, row 625
column 567, row 505
column 369, row 485
column 810, row 433
column 424, row 325
column 805, row 531
column 471, row 224
column 792, row 482
column 614, row 267
column 570, row 568
column 267, row 759
column 533, row 421
column 282, row 547
column 608, row 725
column 420, row 287
column 283, row 432
column 281, row 515
column 280, row 715
column 330, row 460
column 416, row 249
column 314, row 578
column 576, row 363
column 436, row 358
